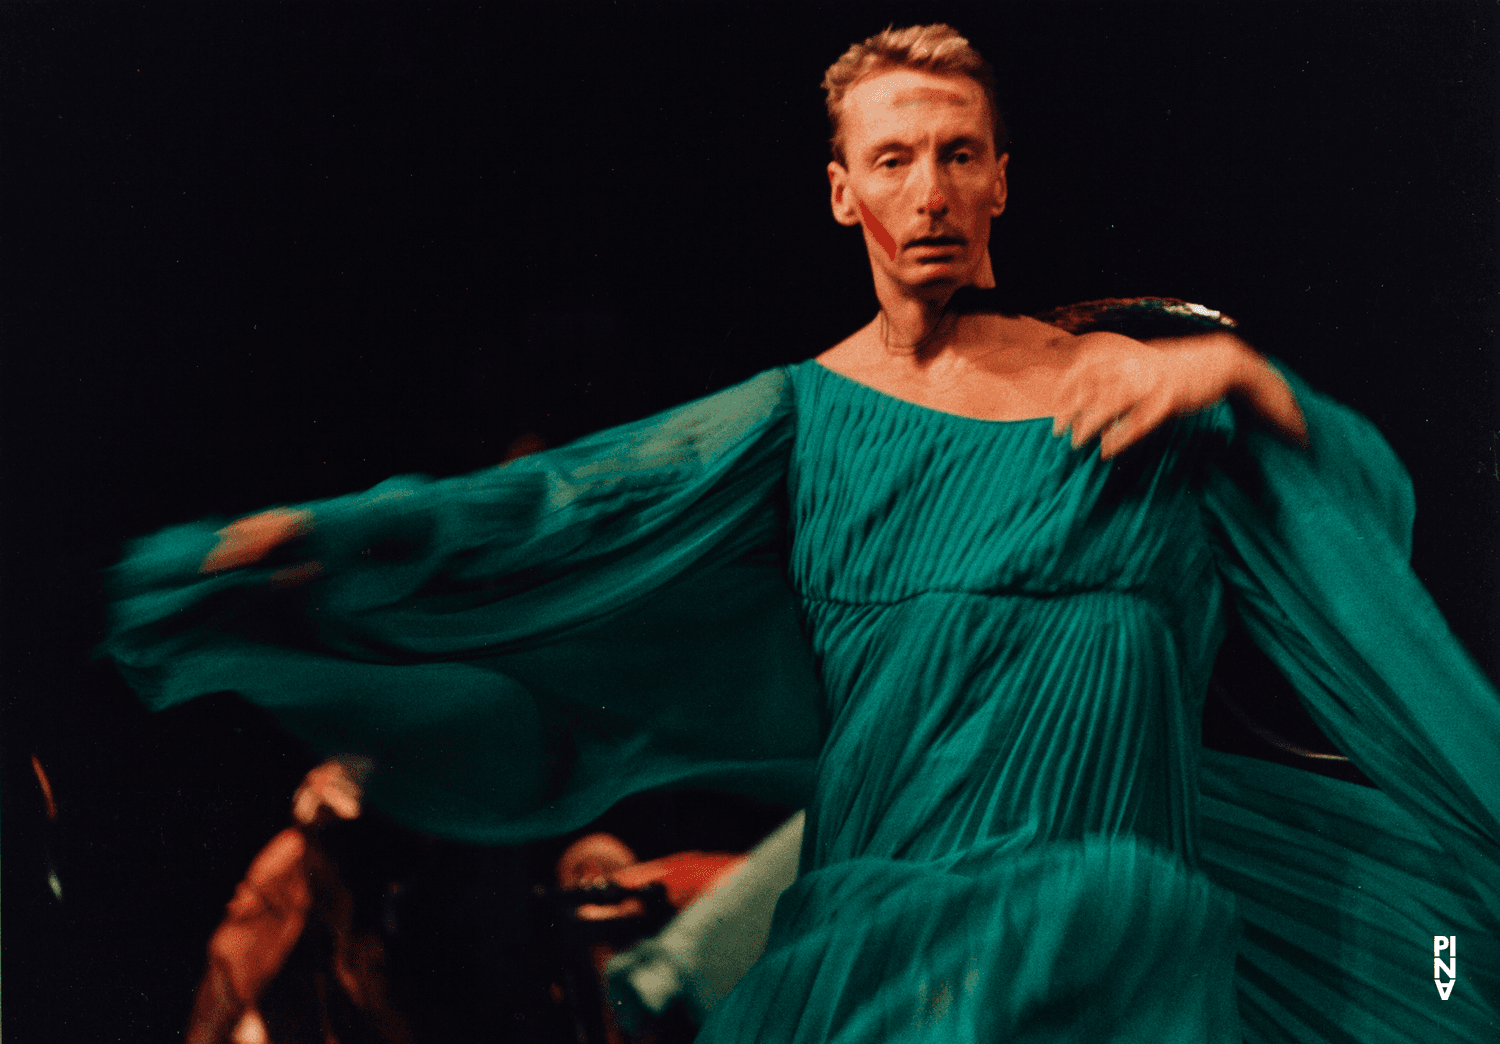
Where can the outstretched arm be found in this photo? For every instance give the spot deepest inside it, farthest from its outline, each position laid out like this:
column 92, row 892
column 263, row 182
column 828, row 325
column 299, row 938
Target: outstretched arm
column 1122, row 389
column 458, row 629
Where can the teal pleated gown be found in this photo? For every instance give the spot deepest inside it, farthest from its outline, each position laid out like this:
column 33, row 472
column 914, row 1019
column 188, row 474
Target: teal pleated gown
column 977, row 655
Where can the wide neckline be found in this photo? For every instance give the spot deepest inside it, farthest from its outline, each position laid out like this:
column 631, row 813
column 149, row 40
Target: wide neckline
column 919, row 406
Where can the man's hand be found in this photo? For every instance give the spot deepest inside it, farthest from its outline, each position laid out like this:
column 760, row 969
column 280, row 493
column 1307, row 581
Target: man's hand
column 1122, row 389
column 251, row 539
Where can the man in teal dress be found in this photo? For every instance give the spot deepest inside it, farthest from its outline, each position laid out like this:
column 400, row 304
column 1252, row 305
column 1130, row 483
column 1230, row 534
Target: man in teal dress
column 1001, row 759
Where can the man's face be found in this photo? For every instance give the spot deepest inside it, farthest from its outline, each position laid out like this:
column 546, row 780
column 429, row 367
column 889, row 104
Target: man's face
column 922, row 177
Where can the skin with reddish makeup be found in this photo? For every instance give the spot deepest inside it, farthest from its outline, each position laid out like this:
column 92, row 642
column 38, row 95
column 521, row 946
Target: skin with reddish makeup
column 872, row 224
column 923, row 179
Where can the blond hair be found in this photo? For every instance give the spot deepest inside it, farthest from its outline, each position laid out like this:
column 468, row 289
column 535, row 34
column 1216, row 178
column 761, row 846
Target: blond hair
column 930, row 48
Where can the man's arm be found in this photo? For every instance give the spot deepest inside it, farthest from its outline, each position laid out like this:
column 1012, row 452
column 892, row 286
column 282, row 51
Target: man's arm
column 1122, row 389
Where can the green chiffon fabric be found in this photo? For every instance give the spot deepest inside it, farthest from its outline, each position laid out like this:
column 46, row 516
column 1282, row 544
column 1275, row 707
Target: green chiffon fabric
column 976, row 655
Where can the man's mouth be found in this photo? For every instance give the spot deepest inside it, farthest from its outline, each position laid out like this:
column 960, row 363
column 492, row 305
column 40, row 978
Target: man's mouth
column 936, row 241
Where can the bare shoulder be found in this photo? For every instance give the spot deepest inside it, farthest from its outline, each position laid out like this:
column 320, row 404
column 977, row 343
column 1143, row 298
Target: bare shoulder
column 1104, row 343
column 1097, row 338
column 1038, row 334
column 859, row 357
column 1017, row 343
column 848, row 352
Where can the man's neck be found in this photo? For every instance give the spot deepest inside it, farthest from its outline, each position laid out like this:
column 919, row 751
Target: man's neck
column 914, row 325
column 921, row 324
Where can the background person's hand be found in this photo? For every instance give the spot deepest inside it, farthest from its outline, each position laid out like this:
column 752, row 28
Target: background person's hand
column 333, row 790
column 1122, row 389
column 261, row 926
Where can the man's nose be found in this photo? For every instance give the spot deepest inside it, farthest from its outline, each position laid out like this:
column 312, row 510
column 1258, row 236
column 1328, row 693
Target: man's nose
column 931, row 198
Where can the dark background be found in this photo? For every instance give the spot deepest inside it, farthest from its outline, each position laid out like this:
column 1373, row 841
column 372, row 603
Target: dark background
column 262, row 253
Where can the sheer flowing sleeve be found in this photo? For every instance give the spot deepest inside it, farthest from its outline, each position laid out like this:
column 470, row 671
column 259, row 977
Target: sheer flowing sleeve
column 518, row 648
column 1343, row 888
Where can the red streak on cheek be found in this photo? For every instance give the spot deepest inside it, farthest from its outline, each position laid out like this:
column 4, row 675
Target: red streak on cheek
column 884, row 238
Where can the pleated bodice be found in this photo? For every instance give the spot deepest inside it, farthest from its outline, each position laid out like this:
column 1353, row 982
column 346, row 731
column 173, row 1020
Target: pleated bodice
column 1014, row 636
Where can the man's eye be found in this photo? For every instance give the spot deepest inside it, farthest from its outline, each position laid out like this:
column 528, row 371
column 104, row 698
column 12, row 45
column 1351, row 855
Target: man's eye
column 889, row 163
column 962, row 157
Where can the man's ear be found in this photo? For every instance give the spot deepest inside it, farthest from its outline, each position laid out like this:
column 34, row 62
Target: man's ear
column 845, row 209
column 998, row 206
